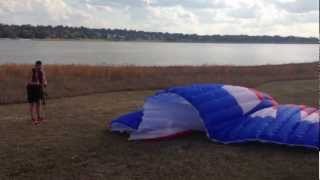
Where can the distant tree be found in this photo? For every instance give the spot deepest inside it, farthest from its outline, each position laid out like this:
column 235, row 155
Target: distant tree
column 66, row 32
column 9, row 31
column 26, row 31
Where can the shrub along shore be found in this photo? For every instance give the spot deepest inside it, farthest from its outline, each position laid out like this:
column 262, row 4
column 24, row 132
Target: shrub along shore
column 75, row 80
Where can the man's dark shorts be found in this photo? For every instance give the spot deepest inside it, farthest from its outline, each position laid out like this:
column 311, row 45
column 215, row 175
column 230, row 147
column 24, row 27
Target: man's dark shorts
column 34, row 93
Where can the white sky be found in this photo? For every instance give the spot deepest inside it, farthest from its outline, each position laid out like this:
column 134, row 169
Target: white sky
column 252, row 17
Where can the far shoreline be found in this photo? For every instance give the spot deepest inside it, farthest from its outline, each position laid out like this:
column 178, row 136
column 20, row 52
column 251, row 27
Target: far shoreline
column 151, row 41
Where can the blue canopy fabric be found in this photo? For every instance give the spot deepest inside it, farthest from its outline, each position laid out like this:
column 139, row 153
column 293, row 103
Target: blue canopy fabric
column 227, row 114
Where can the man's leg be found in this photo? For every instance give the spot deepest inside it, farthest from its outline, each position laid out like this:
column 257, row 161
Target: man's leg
column 32, row 112
column 38, row 105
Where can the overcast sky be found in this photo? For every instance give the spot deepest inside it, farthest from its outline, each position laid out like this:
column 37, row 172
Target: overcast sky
column 252, row 17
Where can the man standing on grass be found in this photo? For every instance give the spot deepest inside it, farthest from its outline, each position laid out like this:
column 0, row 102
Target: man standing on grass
column 35, row 91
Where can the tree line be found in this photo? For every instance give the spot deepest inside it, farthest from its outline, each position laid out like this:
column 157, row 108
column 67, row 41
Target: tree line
column 67, row 32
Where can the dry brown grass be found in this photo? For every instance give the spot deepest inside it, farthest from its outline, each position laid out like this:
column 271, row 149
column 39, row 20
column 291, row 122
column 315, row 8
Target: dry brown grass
column 73, row 80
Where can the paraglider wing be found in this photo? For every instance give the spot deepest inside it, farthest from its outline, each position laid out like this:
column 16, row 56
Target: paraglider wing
column 227, row 114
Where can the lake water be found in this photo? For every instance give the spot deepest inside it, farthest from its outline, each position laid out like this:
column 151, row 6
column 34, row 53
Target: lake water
column 146, row 53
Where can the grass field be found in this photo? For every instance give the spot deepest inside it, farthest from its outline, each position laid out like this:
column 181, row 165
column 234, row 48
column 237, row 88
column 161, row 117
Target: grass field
column 74, row 143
